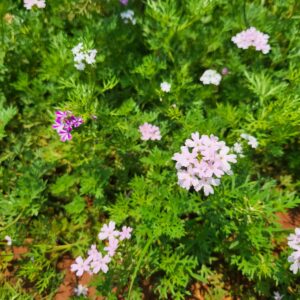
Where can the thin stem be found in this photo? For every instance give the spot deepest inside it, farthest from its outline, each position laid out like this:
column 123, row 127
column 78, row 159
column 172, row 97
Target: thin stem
column 13, row 222
column 245, row 14
column 138, row 265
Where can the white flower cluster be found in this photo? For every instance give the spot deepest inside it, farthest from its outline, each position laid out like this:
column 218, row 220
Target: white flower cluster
column 83, row 56
column 252, row 141
column 165, row 87
column 207, row 162
column 128, row 16
column 294, row 243
column 211, row 77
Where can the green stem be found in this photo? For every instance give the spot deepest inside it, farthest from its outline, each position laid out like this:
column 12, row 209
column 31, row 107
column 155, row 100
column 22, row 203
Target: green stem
column 13, row 222
column 138, row 265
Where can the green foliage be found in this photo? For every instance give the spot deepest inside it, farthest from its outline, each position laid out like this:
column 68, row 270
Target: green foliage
column 55, row 196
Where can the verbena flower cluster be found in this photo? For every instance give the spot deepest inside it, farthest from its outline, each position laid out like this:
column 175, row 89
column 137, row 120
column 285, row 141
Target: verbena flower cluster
column 28, row 4
column 252, row 37
column 149, row 132
column 294, row 243
column 96, row 261
column 202, row 162
column 128, row 16
column 211, row 77
column 64, row 123
column 82, row 56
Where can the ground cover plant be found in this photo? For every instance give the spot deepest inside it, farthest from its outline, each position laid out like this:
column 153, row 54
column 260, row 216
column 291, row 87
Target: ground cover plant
column 154, row 144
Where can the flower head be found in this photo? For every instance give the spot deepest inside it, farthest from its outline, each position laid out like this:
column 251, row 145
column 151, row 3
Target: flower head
column 252, row 141
column 80, row 266
column 113, row 245
column 211, row 77
column 108, row 231
column 165, row 87
column 64, row 124
column 8, row 240
column 81, row 290
column 124, row 2
column 202, row 162
column 277, row 296
column 100, row 264
column 252, row 37
column 125, row 233
column 149, row 132
column 28, row 4
column 128, row 16
column 83, row 57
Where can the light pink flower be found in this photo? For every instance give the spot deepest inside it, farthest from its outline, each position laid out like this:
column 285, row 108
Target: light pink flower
column 125, row 233
column 202, row 162
column 252, row 37
column 113, row 245
column 80, row 266
column 100, row 264
column 8, row 240
column 28, row 4
column 108, row 231
column 149, row 132
column 124, row 2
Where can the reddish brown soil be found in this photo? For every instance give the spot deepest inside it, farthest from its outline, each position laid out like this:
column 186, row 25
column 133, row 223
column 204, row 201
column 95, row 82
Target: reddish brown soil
column 290, row 220
column 66, row 289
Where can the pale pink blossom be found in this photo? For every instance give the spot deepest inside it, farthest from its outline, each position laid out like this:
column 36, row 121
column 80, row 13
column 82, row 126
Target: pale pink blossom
column 125, row 233
column 100, row 264
column 28, row 4
column 202, row 162
column 113, row 245
column 252, row 37
column 80, row 266
column 108, row 231
column 149, row 132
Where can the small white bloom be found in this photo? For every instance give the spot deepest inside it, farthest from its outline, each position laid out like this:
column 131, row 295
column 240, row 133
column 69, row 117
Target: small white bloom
column 81, row 290
column 8, row 239
column 127, row 16
column 79, row 57
column 211, row 77
column 82, row 56
column 252, row 141
column 277, row 296
column 237, row 148
column 80, row 66
column 77, row 48
column 90, row 56
column 165, row 87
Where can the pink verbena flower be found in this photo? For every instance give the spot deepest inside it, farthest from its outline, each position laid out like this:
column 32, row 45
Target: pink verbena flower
column 100, row 264
column 113, row 245
column 80, row 266
column 202, row 162
column 124, row 2
column 28, row 4
column 252, row 37
column 64, row 124
column 108, row 231
column 125, row 233
column 149, row 132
